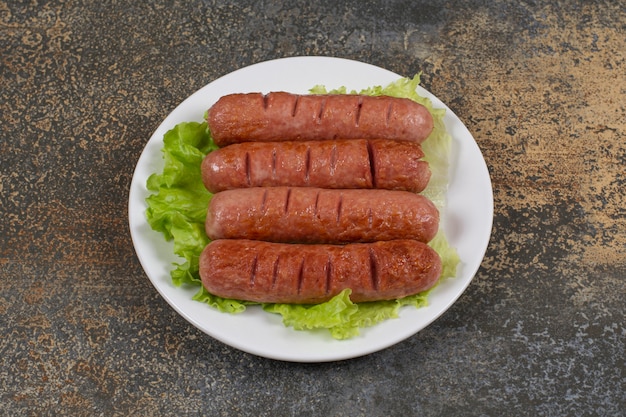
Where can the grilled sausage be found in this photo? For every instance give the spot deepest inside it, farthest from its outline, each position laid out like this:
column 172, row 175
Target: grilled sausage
column 280, row 116
column 375, row 163
column 298, row 273
column 315, row 215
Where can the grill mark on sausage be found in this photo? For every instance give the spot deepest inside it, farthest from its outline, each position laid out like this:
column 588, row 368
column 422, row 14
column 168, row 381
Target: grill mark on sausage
column 274, row 163
column 370, row 217
column 307, row 165
column 265, row 100
column 372, row 162
column 374, row 270
column 333, row 159
column 287, row 198
column 254, row 270
column 248, row 177
column 339, row 207
column 389, row 112
column 321, row 112
column 295, row 106
column 275, row 271
column 301, row 276
column 329, row 275
column 358, row 112
column 317, row 200
column 264, row 200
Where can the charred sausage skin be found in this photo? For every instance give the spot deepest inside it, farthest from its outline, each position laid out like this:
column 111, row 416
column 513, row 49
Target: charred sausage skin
column 268, row 272
column 280, row 116
column 316, row 215
column 359, row 163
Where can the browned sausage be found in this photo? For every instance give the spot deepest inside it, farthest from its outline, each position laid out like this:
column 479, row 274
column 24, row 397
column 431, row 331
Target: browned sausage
column 360, row 163
column 283, row 116
column 298, row 273
column 316, row 215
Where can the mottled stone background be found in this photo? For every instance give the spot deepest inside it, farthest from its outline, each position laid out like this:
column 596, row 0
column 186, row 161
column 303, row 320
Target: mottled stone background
column 540, row 84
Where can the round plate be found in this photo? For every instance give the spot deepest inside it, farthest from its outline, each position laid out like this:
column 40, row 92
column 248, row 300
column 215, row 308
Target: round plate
column 466, row 220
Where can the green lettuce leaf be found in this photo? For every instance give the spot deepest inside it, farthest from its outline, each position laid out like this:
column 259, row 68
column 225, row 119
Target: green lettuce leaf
column 177, row 207
column 329, row 315
column 340, row 316
column 178, row 203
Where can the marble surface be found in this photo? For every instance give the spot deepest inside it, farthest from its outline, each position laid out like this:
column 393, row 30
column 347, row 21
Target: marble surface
column 540, row 331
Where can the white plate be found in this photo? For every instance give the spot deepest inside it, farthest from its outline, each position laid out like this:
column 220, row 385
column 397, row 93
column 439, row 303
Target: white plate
column 467, row 220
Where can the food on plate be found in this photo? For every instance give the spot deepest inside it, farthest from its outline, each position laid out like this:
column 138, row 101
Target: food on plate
column 357, row 163
column 280, row 116
column 268, row 272
column 318, row 215
column 177, row 208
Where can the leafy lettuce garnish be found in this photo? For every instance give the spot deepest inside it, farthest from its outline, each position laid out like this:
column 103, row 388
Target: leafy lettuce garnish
column 178, row 204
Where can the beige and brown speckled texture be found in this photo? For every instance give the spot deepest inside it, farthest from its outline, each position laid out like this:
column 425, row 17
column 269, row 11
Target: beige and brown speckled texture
column 540, row 331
